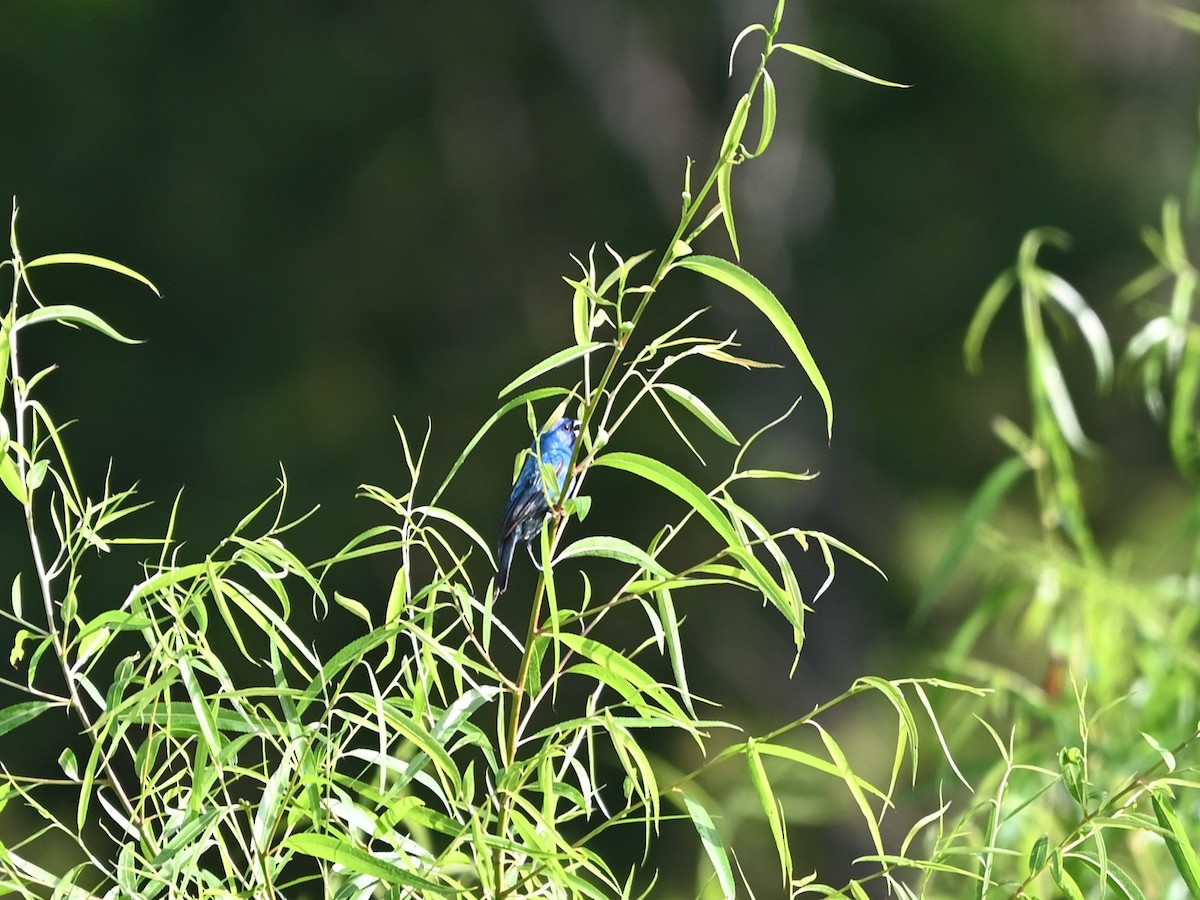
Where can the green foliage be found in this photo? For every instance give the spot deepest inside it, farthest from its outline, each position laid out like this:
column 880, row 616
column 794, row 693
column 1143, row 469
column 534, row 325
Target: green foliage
column 219, row 751
column 213, row 748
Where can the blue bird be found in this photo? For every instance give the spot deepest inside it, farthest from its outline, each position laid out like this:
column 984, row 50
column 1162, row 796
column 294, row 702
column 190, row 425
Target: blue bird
column 530, row 501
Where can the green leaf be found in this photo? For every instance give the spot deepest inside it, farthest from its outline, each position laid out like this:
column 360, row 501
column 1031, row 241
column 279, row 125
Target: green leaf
column 748, row 30
column 72, row 315
column 68, row 764
column 1071, row 764
column 11, row 478
column 614, row 548
column 1112, row 874
column 699, row 409
column 768, row 114
column 737, row 125
column 613, row 663
column 757, row 293
column 343, row 853
column 86, row 259
column 561, row 358
column 713, row 845
column 663, row 475
column 994, row 489
column 1039, row 854
column 1179, row 844
column 725, row 194
column 354, row 607
column 992, row 300
column 19, row 713
column 853, row 784
column 5, row 351
column 1087, row 322
column 830, row 63
column 771, row 808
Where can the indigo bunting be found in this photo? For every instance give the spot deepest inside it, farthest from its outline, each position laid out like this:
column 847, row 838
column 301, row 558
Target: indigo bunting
column 530, row 500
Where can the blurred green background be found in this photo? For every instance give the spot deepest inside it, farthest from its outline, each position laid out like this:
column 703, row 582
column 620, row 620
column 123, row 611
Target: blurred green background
column 359, row 211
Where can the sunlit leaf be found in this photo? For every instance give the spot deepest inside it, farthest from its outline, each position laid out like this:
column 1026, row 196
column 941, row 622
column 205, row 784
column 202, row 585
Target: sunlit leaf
column 342, row 852
column 19, row 713
column 699, row 409
column 830, row 63
column 768, row 114
column 614, row 548
column 86, row 259
column 757, row 293
column 561, row 358
column 71, row 315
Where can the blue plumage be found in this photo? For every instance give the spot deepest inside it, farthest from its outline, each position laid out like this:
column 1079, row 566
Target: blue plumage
column 528, row 504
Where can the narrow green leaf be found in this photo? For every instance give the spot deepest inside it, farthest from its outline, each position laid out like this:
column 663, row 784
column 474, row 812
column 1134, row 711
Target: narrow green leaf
column 699, row 409
column 994, row 489
column 748, row 30
column 725, row 195
column 561, row 358
column 757, row 293
column 830, row 63
column 810, row 761
column 1039, row 854
column 5, row 351
column 614, row 548
column 1179, row 844
column 86, row 259
column 768, row 114
column 1088, row 323
column 1184, row 18
column 1111, row 873
column 771, row 808
column 19, row 713
column 908, row 734
column 355, row 607
column 11, row 478
column 619, row 275
column 853, row 784
column 445, row 515
column 521, row 400
column 664, row 476
column 343, row 853
column 579, row 313
column 68, row 764
column 992, row 300
column 616, row 664
column 1181, row 431
column 73, row 315
column 733, row 134
column 670, row 622
column 713, row 845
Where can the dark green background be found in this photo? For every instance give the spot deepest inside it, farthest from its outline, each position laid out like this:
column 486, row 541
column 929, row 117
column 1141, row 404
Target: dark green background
column 364, row 210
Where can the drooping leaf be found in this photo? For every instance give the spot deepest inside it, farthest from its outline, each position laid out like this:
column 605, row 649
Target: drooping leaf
column 714, row 846
column 830, row 63
column 87, row 259
column 72, row 315
column 757, row 293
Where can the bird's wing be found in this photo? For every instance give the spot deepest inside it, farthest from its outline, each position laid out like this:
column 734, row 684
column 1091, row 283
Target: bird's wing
column 526, row 500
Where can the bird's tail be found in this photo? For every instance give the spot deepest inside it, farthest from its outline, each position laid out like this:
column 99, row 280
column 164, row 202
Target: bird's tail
column 507, row 549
